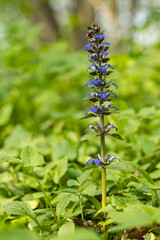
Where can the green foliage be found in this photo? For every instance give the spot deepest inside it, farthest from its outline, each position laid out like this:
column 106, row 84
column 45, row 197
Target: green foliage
column 41, row 91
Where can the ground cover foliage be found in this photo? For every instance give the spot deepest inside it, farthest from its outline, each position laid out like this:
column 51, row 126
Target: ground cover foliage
column 46, row 192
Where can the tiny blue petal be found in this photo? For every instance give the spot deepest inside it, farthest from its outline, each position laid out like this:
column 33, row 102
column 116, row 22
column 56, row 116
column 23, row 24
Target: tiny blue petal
column 87, row 47
column 115, row 85
column 100, row 36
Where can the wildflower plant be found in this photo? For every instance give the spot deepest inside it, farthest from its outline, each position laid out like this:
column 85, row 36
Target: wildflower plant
column 102, row 96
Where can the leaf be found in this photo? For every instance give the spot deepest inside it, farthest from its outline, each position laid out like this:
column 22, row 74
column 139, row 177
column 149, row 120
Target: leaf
column 110, row 82
column 121, row 202
column 72, row 182
column 141, row 170
column 133, row 216
column 66, row 228
column 19, row 208
column 116, row 165
column 79, row 234
column 84, row 176
column 89, row 135
column 94, row 201
column 31, row 158
column 115, row 135
column 18, row 234
column 150, row 236
column 62, row 204
column 88, row 116
column 12, row 160
column 60, row 170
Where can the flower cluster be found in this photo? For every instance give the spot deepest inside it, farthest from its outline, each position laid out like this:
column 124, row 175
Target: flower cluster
column 100, row 93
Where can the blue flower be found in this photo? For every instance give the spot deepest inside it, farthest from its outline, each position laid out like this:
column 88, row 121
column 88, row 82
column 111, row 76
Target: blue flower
column 111, row 126
column 96, row 161
column 102, row 95
column 94, row 109
column 92, row 67
column 102, row 69
column 109, row 66
column 87, row 47
column 100, row 36
column 111, row 106
column 115, row 85
column 89, row 161
column 104, row 53
column 106, row 43
column 96, row 81
column 89, row 82
column 110, row 159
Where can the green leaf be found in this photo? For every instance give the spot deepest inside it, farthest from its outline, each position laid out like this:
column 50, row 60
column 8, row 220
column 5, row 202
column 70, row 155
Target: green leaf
column 31, row 158
column 72, row 182
column 60, row 169
column 89, row 135
column 88, row 116
column 62, row 204
column 115, row 135
column 84, row 176
column 66, row 228
column 121, row 202
column 116, row 165
column 12, row 160
column 110, row 82
column 133, row 216
column 19, row 208
column 94, row 201
column 150, row 236
column 18, row 234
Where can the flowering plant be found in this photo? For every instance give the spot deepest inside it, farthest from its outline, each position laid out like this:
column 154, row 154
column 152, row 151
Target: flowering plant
column 101, row 94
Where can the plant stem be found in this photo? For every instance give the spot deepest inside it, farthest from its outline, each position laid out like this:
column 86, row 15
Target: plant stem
column 45, row 195
column 103, row 169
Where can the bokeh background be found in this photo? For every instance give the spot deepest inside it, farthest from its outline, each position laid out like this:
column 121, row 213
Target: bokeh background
column 43, row 72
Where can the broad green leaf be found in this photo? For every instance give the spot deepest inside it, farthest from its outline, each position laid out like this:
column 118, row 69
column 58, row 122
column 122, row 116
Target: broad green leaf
column 12, row 160
column 121, row 202
column 89, row 135
column 116, row 165
column 135, row 215
column 62, row 204
column 141, row 170
column 66, row 228
column 84, row 176
column 150, row 236
column 19, row 208
column 31, row 158
column 115, row 135
column 18, row 234
column 79, row 234
column 72, row 182
column 60, row 169
column 18, row 138
column 94, row 201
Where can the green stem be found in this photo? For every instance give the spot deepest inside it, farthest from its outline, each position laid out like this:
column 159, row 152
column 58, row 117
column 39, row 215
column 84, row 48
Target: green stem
column 103, row 169
column 81, row 208
column 45, row 195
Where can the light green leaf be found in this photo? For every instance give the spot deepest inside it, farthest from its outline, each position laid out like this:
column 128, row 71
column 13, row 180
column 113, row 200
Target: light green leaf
column 94, row 201
column 150, row 236
column 72, row 182
column 62, row 204
column 116, row 165
column 31, row 158
column 60, row 169
column 89, row 135
column 84, row 176
column 19, row 208
column 121, row 202
column 12, row 160
column 66, row 228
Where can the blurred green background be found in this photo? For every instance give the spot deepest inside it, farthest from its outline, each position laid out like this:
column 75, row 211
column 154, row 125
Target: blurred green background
column 42, row 76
